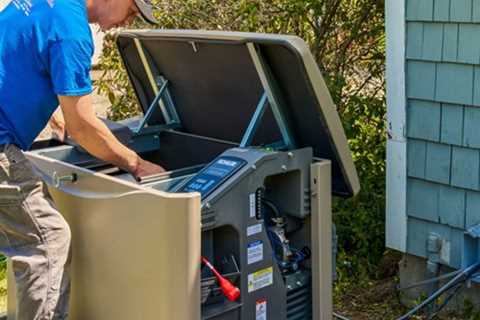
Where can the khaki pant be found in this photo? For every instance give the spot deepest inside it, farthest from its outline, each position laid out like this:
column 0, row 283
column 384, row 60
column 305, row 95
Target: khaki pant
column 36, row 238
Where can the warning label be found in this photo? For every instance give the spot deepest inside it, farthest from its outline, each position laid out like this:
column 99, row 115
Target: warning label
column 253, row 230
column 261, row 309
column 255, row 252
column 260, row 279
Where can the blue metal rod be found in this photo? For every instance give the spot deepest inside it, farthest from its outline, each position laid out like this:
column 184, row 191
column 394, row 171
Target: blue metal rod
column 171, row 109
column 255, row 122
column 152, row 107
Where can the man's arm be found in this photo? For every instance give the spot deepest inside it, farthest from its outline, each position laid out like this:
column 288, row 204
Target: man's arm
column 93, row 135
column 57, row 125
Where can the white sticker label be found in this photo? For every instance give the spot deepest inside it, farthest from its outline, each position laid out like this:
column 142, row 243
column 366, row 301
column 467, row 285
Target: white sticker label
column 445, row 251
column 261, row 309
column 255, row 252
column 260, row 279
column 253, row 207
column 252, row 230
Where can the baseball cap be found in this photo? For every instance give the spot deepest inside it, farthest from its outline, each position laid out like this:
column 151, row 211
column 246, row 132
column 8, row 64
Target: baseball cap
column 145, row 7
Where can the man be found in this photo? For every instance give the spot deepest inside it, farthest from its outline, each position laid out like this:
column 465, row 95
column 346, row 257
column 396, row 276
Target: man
column 45, row 59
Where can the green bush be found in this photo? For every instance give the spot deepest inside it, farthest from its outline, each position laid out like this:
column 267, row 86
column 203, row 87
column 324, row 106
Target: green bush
column 347, row 40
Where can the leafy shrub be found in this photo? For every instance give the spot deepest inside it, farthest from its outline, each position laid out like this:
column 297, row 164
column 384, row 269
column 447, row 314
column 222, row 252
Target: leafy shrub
column 347, row 40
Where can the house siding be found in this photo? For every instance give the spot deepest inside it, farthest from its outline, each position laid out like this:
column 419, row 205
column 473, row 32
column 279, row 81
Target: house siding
column 443, row 124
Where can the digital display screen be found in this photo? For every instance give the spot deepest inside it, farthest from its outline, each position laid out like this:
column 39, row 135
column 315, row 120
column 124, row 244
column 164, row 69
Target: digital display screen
column 213, row 176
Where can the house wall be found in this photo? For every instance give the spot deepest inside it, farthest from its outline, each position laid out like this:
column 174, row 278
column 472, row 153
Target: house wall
column 443, row 125
column 433, row 148
column 442, row 104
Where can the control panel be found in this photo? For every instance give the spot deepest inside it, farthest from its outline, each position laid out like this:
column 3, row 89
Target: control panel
column 214, row 175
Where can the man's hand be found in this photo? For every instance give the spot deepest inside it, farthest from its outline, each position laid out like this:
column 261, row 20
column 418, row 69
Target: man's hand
column 145, row 169
column 94, row 136
column 57, row 124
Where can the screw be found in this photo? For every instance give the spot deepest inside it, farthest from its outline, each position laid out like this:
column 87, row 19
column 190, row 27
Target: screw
column 284, row 168
column 194, row 46
column 290, row 154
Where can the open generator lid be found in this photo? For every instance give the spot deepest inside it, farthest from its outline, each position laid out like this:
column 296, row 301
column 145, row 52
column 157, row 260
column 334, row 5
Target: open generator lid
column 247, row 88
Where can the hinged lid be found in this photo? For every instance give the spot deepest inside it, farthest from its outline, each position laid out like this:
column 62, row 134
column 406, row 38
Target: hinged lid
column 248, row 88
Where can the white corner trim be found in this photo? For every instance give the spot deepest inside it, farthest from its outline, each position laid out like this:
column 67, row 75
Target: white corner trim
column 396, row 207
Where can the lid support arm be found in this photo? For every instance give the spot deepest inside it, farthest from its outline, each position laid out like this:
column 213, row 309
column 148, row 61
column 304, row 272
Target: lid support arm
column 172, row 110
column 255, row 122
column 273, row 93
column 152, row 107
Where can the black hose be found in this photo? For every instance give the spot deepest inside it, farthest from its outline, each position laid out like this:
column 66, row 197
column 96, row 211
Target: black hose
column 272, row 207
column 466, row 274
column 429, row 281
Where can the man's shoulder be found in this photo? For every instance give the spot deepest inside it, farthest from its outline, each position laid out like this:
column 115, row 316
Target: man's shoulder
column 74, row 8
column 50, row 21
column 68, row 19
column 42, row 10
column 68, row 11
column 48, row 8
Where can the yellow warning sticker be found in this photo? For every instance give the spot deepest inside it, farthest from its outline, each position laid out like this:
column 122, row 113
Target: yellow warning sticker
column 260, row 279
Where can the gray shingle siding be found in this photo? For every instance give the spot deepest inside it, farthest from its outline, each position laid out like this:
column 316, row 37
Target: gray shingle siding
column 443, row 122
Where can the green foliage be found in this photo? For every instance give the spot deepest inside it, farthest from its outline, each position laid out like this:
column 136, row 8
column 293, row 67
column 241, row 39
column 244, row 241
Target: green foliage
column 114, row 84
column 471, row 311
column 360, row 220
column 347, row 40
column 3, row 283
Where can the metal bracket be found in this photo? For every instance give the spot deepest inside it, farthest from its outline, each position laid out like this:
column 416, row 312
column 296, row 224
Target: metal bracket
column 151, row 108
column 171, row 119
column 272, row 92
column 58, row 180
column 255, row 123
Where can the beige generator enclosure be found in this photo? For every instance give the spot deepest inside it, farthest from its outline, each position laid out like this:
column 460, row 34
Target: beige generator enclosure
column 239, row 227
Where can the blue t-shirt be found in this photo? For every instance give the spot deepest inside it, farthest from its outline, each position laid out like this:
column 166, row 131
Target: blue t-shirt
column 46, row 48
